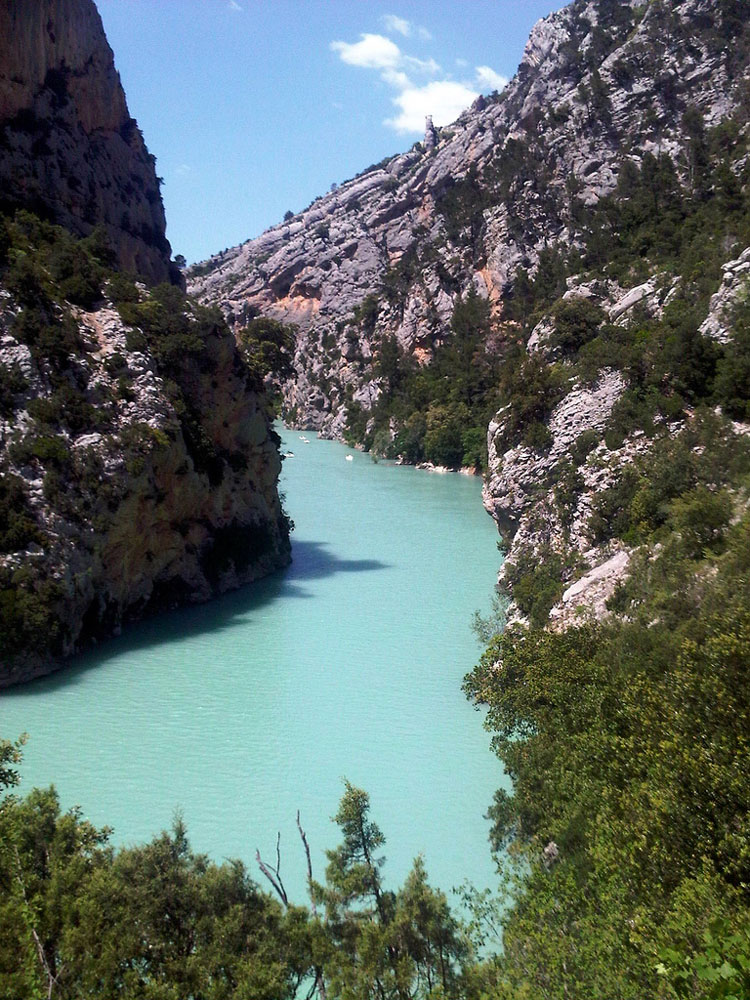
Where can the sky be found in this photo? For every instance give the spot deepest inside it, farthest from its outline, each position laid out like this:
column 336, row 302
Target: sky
column 255, row 107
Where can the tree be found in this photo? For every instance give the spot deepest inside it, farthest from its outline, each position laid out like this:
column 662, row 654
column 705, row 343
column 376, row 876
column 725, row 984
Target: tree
column 380, row 944
column 268, row 348
column 10, row 756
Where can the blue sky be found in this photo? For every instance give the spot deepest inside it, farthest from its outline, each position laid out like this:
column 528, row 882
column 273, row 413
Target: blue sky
column 253, row 107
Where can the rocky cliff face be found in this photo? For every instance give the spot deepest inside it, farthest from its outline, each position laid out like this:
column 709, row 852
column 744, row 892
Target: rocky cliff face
column 568, row 204
column 138, row 463
column 598, row 83
column 69, row 149
column 139, row 468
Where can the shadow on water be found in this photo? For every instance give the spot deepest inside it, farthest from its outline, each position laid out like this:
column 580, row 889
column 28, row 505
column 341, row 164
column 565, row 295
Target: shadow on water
column 310, row 561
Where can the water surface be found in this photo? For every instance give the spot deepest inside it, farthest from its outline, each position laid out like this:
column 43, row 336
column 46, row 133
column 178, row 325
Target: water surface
column 349, row 664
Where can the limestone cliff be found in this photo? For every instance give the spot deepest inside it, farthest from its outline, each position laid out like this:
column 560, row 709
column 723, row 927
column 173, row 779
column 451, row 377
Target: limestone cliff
column 69, row 149
column 600, row 207
column 599, row 83
column 139, row 466
column 138, row 463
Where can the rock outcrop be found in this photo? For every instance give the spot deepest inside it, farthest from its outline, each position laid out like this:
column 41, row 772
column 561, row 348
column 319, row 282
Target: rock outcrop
column 599, row 84
column 138, row 463
column 140, row 484
column 69, row 149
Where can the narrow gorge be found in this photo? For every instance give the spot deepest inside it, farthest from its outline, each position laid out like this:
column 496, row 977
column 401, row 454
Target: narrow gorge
column 502, row 257
column 551, row 295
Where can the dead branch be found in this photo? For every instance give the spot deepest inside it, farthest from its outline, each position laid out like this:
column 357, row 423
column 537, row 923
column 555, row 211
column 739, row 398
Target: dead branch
column 274, row 874
column 303, row 837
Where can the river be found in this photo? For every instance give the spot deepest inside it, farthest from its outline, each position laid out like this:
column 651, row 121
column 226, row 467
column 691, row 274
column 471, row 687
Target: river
column 349, row 664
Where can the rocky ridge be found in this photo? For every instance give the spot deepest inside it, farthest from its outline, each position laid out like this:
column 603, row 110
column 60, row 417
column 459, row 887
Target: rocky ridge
column 598, row 82
column 603, row 90
column 69, row 149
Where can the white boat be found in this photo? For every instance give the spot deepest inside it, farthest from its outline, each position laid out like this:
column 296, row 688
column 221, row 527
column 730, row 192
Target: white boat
column 350, row 458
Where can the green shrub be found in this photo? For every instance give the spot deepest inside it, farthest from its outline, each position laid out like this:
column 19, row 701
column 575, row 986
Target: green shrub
column 577, row 321
column 611, row 514
column 701, row 517
column 45, row 448
column 29, row 614
column 67, row 407
column 134, row 338
column 732, row 382
column 122, row 289
column 17, row 525
column 537, row 435
column 366, row 314
column 115, row 364
column 443, row 440
column 536, row 583
column 12, row 383
column 268, row 348
column 77, row 275
column 52, row 340
column 583, row 445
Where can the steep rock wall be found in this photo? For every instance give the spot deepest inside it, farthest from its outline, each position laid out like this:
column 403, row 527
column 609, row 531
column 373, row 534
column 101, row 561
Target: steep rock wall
column 150, row 485
column 69, row 149
column 598, row 83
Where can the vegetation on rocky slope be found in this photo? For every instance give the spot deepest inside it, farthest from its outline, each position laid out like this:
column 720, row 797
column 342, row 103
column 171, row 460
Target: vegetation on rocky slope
column 111, row 401
column 626, row 836
column 624, row 847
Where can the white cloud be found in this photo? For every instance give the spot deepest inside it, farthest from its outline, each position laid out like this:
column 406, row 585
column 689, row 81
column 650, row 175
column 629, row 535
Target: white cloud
column 396, row 25
column 184, row 168
column 443, row 99
column 233, row 5
column 488, row 79
column 414, row 99
column 428, row 66
column 370, row 52
column 396, row 78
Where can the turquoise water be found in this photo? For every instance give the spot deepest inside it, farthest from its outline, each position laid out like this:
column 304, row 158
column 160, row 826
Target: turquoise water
column 349, row 664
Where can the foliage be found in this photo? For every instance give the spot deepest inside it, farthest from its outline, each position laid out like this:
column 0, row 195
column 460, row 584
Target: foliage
column 535, row 581
column 440, row 410
column 679, row 486
column 624, row 743
column 12, row 383
column 174, row 331
column 268, row 348
column 577, row 321
column 17, row 525
column 29, row 613
column 720, row 967
column 530, row 390
column 78, row 918
column 404, row 945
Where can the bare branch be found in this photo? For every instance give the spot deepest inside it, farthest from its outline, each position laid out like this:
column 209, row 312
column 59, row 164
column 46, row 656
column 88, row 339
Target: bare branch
column 273, row 874
column 319, row 984
column 305, row 844
column 51, row 977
